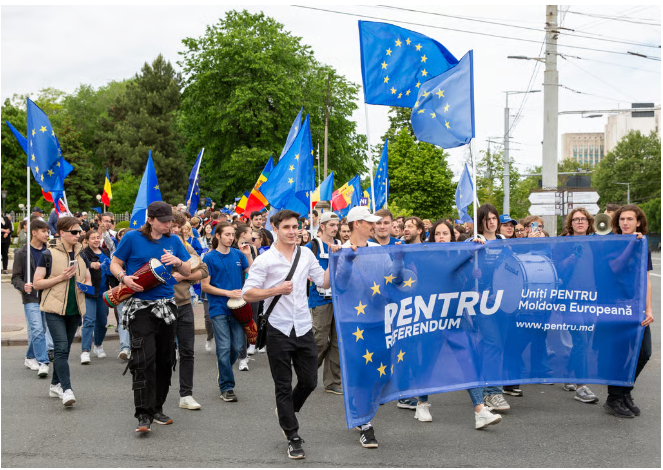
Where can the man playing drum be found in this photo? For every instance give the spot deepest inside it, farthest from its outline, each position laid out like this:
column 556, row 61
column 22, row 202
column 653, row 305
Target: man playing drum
column 150, row 315
column 226, row 267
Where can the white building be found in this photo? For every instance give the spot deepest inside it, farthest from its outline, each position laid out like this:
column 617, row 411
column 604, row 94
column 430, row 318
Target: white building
column 619, row 125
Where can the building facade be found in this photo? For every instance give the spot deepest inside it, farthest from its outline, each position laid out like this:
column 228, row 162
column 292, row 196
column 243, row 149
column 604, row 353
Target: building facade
column 619, row 125
column 583, row 147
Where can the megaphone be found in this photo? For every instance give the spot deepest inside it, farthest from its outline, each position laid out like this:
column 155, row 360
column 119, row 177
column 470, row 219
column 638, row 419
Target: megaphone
column 602, row 224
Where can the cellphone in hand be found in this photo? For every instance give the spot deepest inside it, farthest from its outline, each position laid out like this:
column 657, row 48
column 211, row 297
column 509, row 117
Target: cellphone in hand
column 534, row 227
column 73, row 262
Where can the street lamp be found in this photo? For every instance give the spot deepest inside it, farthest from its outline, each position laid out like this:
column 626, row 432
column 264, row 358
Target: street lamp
column 4, row 197
column 506, row 206
column 628, row 192
column 99, row 197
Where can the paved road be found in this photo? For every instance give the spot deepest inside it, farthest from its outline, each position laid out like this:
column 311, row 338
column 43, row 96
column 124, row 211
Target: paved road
column 545, row 428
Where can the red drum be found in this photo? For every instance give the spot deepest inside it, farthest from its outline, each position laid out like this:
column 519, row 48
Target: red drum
column 147, row 279
column 243, row 313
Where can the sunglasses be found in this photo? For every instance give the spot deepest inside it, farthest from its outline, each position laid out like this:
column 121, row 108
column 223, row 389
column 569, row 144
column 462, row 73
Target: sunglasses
column 74, row 232
column 255, row 239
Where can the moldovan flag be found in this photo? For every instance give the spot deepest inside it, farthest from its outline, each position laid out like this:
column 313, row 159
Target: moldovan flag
column 108, row 194
column 257, row 201
column 241, row 205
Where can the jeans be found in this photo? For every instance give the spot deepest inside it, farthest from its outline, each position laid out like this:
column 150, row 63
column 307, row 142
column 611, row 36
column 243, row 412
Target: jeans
column 185, row 333
column 39, row 338
column 63, row 329
column 284, row 354
column 618, row 391
column 95, row 320
column 151, row 363
column 208, row 322
column 324, row 331
column 125, row 338
column 229, row 337
column 492, row 390
column 476, row 395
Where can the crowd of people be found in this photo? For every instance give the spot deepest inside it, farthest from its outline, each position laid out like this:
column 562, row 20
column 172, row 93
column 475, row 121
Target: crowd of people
column 229, row 264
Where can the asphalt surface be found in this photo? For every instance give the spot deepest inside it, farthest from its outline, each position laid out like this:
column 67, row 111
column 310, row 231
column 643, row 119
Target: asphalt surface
column 545, row 428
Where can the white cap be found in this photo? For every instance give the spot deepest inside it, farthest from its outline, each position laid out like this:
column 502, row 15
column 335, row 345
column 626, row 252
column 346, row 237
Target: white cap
column 362, row 213
column 84, row 213
column 327, row 216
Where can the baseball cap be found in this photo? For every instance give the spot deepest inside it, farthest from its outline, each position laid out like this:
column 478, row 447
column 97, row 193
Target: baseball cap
column 505, row 219
column 83, row 213
column 37, row 209
column 327, row 216
column 162, row 211
column 362, row 213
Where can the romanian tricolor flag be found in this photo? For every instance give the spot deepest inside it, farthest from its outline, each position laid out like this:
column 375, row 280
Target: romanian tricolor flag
column 241, row 205
column 108, row 194
column 256, row 201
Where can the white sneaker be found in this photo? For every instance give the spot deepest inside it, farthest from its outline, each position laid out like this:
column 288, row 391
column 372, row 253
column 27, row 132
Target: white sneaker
column 31, row 364
column 177, row 354
column 85, row 357
column 423, row 412
column 244, row 364
column 43, row 370
column 99, row 351
column 485, row 418
column 125, row 354
column 262, row 350
column 68, row 397
column 189, row 403
column 208, row 346
column 496, row 402
column 55, row 391
column 251, row 350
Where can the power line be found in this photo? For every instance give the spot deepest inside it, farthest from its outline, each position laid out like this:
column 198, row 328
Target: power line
column 592, row 94
column 609, row 63
column 617, row 18
column 599, row 79
column 465, row 31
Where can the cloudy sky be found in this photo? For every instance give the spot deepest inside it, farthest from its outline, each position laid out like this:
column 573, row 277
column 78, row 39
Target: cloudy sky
column 65, row 46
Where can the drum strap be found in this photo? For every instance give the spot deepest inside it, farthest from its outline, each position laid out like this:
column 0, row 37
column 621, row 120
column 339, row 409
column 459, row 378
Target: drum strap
column 288, row 278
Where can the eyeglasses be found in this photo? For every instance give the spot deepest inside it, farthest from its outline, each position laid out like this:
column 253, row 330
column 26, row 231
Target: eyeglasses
column 578, row 220
column 74, row 232
column 255, row 239
column 520, row 230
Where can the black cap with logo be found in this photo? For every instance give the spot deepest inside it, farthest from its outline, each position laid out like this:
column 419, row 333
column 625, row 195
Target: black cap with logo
column 161, row 210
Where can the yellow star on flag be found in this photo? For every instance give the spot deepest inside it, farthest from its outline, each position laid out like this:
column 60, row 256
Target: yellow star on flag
column 50, row 172
column 393, row 90
column 421, row 111
column 400, row 94
column 418, row 84
column 388, row 51
column 312, row 152
column 381, row 369
column 386, row 79
column 426, row 93
column 409, row 282
column 359, row 334
column 384, row 65
column 156, row 187
column 408, row 42
column 37, row 169
column 57, row 164
column 42, row 177
column 416, row 105
column 360, row 308
column 446, row 123
column 424, row 73
column 398, row 42
column 290, row 181
column 432, row 115
column 407, row 93
column 368, row 356
column 33, row 132
column 440, row 93
column 33, row 157
column 375, row 288
column 418, row 46
column 43, row 129
column 424, row 58
column 297, row 157
column 292, row 168
column 446, row 108
column 392, row 369
column 135, row 223
column 400, row 356
column 389, row 278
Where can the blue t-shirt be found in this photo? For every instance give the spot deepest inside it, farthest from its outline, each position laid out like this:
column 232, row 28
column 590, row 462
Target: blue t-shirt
column 314, row 297
column 195, row 232
column 135, row 250
column 225, row 272
column 392, row 241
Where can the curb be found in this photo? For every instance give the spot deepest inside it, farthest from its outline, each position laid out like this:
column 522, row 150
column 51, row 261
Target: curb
column 77, row 338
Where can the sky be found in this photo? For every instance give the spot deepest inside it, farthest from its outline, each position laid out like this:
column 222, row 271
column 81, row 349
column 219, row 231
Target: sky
column 66, row 46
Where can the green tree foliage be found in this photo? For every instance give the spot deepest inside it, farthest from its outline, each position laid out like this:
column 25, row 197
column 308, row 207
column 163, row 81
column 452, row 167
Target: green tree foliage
column 246, row 80
column 80, row 186
column 652, row 210
column 125, row 190
column 143, row 118
column 637, row 160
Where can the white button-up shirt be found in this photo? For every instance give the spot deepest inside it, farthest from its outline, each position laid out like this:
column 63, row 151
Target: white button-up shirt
column 270, row 270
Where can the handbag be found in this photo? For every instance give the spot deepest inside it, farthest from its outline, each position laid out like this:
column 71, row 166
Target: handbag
column 261, row 341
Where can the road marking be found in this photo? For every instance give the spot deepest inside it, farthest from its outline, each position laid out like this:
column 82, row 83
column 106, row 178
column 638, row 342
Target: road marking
column 654, row 274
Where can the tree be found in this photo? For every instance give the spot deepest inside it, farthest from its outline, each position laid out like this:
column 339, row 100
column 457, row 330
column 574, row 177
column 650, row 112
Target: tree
column 143, row 118
column 80, row 187
column 125, row 190
column 246, row 80
column 636, row 160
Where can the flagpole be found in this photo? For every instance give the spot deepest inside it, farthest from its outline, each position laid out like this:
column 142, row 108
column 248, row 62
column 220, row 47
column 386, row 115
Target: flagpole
column 29, row 233
column 474, row 186
column 195, row 178
column 370, row 159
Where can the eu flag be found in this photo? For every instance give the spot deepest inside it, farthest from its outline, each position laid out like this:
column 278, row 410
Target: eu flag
column 147, row 193
column 444, row 112
column 293, row 174
column 193, row 193
column 395, row 62
column 327, row 188
column 464, row 195
column 381, row 179
column 294, row 130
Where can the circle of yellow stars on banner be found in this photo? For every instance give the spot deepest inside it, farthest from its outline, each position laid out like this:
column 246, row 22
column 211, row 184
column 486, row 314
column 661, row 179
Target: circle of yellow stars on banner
column 385, row 65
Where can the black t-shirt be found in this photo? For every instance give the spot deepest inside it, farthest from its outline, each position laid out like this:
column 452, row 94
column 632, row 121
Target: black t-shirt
column 36, row 254
column 650, row 266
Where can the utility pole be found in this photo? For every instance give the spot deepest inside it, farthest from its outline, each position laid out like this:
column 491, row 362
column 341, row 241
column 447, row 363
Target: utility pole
column 506, row 206
column 326, row 125
column 550, row 112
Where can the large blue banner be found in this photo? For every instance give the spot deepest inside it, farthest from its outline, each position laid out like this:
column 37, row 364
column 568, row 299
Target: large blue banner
column 436, row 317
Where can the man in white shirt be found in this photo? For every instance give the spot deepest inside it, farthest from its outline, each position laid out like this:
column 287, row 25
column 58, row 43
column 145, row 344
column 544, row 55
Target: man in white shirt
column 290, row 339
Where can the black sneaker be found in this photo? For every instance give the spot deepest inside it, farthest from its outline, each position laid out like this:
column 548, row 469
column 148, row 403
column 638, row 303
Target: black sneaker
column 144, row 424
column 628, row 403
column 161, row 418
column 51, row 356
column 617, row 408
column 367, row 439
column 295, row 450
column 513, row 390
column 228, row 395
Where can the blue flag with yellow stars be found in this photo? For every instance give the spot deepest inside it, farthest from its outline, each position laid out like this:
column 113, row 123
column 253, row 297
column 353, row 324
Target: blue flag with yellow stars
column 420, row 319
column 293, row 175
column 381, row 179
column 148, row 193
column 464, row 195
column 395, row 62
column 444, row 112
column 193, row 193
column 294, row 130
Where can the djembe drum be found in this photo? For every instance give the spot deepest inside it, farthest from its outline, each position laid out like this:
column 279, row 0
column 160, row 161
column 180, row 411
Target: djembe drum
column 147, row 279
column 243, row 313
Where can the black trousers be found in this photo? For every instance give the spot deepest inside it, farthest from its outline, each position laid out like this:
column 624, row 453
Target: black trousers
column 5, row 255
column 185, row 332
column 208, row 321
column 301, row 352
column 618, row 391
column 151, row 363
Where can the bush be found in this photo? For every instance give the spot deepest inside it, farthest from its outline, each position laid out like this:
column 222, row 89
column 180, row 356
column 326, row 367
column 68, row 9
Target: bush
column 121, row 225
